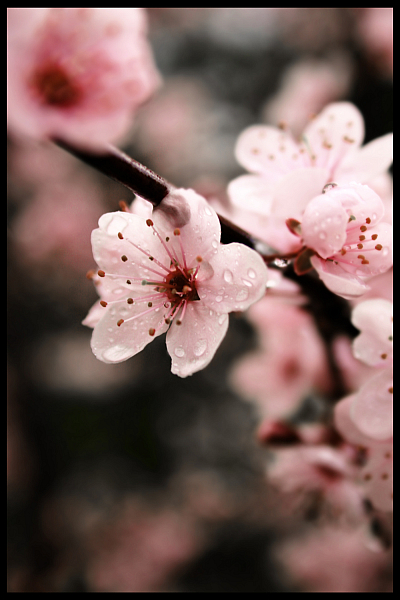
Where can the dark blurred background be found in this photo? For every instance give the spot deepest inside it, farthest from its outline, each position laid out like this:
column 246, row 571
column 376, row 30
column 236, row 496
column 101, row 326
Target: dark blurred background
column 125, row 477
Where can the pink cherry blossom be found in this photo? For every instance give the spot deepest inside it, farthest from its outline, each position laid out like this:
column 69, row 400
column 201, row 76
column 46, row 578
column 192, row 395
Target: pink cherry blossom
column 317, row 472
column 343, row 227
column 170, row 274
column 288, row 364
column 287, row 174
column 77, row 73
column 376, row 476
column 372, row 406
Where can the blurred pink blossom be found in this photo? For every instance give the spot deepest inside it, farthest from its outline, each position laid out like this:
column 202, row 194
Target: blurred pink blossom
column 335, row 560
column 306, row 87
column 189, row 289
column 376, row 475
column 77, row 73
column 289, row 363
column 139, row 551
column 375, row 34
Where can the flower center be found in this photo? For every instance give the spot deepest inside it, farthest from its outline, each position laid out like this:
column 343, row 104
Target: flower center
column 183, row 287
column 55, row 87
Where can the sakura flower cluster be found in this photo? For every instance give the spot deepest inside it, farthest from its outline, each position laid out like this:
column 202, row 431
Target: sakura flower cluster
column 77, row 74
column 312, row 195
column 169, row 274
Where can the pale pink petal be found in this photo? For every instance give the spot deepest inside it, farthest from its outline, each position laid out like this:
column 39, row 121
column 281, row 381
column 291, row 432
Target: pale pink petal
column 337, row 131
column 108, row 248
column 360, row 201
column 268, row 151
column 374, row 345
column 377, row 476
column 372, row 408
column 197, row 221
column 292, row 193
column 240, row 279
column 252, row 193
column 113, row 343
column 324, row 225
column 368, row 162
column 193, row 344
column 378, row 252
column 346, row 425
column 337, row 280
column 94, row 315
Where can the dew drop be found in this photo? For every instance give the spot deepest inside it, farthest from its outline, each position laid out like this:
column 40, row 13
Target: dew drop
column 179, row 352
column 246, row 282
column 281, row 263
column 208, row 211
column 117, row 353
column 242, row 295
column 218, row 298
column 228, row 276
column 214, row 244
column 200, row 347
column 222, row 319
column 385, row 251
column 251, row 273
column 322, row 235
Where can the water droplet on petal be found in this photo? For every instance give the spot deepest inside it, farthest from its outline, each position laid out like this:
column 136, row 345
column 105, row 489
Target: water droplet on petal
column 281, row 263
column 208, row 211
column 246, row 282
column 179, row 352
column 322, row 235
column 251, row 273
column 242, row 295
column 228, row 276
column 117, row 353
column 200, row 347
column 218, row 298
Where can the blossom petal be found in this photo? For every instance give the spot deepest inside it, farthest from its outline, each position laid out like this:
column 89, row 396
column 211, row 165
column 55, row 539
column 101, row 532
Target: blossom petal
column 267, row 151
column 324, row 225
column 240, row 279
column 112, row 343
column 346, row 426
column 292, row 193
column 108, row 248
column 193, row 344
column 374, row 345
column 197, row 221
column 372, row 408
column 252, row 193
column 368, row 162
column 337, row 131
column 337, row 280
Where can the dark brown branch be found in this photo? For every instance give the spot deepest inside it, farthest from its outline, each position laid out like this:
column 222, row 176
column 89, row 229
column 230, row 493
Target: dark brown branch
column 122, row 168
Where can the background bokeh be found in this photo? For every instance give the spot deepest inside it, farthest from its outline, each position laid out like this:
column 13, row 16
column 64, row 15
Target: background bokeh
column 125, row 477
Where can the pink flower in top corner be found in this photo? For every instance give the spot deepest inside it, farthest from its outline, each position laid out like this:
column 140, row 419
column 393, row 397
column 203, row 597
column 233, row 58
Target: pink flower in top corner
column 170, row 274
column 77, row 73
column 343, row 227
column 287, row 174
